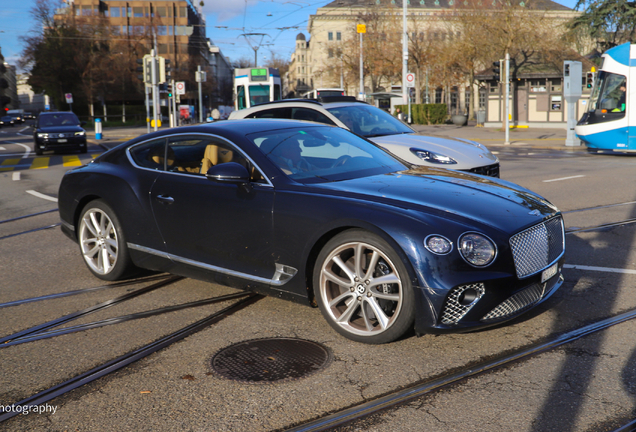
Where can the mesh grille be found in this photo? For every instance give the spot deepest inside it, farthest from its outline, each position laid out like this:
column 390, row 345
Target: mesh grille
column 453, row 310
column 516, row 303
column 537, row 247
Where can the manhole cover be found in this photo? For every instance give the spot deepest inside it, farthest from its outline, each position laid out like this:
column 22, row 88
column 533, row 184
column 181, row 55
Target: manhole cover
column 271, row 360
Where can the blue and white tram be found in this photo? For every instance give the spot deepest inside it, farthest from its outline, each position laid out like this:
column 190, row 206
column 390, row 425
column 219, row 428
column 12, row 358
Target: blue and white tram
column 255, row 85
column 609, row 123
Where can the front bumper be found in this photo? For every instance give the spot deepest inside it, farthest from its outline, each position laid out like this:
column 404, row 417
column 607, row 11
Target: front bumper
column 64, row 143
column 495, row 302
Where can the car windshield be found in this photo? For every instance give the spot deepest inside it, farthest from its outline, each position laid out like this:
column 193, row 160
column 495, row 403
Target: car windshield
column 320, row 154
column 61, row 119
column 369, row 121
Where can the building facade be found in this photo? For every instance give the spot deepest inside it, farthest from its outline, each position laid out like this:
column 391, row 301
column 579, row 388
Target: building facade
column 333, row 44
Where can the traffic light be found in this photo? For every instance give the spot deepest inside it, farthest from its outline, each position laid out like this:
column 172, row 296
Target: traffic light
column 513, row 68
column 164, row 69
column 589, row 79
column 496, row 69
column 169, row 87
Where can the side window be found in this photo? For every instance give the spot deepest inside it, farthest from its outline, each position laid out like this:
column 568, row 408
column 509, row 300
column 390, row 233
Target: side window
column 185, row 154
column 195, row 155
column 310, row 115
column 279, row 113
column 150, row 155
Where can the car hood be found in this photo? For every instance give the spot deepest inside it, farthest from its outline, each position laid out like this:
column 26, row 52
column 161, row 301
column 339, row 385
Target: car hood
column 467, row 154
column 453, row 195
column 60, row 129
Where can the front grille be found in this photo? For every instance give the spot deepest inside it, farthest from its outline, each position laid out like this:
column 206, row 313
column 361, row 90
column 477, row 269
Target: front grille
column 521, row 300
column 537, row 247
column 454, row 310
column 488, row 170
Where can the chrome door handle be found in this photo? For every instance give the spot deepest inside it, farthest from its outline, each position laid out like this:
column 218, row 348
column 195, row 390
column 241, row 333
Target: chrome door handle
column 165, row 199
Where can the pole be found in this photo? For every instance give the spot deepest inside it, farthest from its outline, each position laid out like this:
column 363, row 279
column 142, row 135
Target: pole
column 361, row 72
column 154, row 73
column 507, row 101
column 200, row 98
column 174, row 105
column 147, row 91
column 405, row 54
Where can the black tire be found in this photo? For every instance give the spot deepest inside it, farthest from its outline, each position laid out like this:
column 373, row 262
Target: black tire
column 355, row 302
column 102, row 242
column 38, row 150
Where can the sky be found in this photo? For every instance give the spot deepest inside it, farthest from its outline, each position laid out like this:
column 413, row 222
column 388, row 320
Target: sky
column 226, row 21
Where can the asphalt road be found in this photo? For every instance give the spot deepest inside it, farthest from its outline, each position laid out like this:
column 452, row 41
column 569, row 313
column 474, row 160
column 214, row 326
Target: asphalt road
column 588, row 385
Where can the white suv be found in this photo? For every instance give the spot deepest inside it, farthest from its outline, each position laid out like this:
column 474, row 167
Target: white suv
column 383, row 129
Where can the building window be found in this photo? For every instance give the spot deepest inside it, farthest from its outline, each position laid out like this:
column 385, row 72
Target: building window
column 182, row 12
column 330, row 36
column 161, row 12
column 115, row 12
column 338, row 36
column 162, row 31
column 555, row 85
column 163, row 48
column 86, row 10
column 138, row 12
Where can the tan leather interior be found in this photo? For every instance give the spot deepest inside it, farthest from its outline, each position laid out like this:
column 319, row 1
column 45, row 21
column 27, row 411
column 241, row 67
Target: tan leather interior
column 214, row 155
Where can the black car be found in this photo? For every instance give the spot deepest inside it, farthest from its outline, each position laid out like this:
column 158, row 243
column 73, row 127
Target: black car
column 58, row 131
column 7, row 121
column 318, row 215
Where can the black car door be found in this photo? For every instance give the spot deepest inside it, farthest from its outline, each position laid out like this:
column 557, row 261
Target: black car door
column 216, row 227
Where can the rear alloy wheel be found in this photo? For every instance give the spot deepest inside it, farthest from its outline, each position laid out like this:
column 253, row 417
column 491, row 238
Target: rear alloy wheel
column 363, row 288
column 102, row 242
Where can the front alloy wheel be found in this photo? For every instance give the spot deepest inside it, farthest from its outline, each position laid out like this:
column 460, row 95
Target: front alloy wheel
column 102, row 243
column 364, row 291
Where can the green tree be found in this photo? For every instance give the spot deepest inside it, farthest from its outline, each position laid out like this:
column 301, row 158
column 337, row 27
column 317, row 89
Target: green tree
column 610, row 22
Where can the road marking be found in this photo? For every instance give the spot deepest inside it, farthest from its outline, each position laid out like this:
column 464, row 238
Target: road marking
column 41, row 195
column 599, row 269
column 16, row 175
column 40, row 163
column 71, row 161
column 563, row 178
column 10, row 162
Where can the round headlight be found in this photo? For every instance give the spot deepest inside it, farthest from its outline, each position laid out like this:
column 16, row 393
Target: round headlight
column 477, row 249
column 438, row 245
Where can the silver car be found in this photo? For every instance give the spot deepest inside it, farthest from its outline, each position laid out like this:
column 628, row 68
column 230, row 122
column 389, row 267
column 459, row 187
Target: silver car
column 385, row 130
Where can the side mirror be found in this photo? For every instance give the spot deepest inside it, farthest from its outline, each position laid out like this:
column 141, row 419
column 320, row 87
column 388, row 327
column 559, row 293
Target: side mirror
column 229, row 172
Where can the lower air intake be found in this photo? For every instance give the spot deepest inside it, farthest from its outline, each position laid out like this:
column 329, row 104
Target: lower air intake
column 460, row 301
column 516, row 303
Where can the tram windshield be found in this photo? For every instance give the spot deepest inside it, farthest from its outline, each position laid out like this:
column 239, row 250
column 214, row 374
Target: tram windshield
column 609, row 94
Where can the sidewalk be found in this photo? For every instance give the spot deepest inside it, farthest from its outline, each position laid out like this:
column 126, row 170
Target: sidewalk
column 528, row 137
column 490, row 137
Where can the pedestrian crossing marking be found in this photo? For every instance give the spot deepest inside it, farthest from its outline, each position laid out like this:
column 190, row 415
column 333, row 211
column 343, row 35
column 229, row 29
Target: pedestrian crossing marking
column 71, row 161
column 40, row 163
column 8, row 164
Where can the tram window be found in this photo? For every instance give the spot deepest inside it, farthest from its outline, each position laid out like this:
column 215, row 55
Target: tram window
column 609, row 93
column 240, row 97
column 277, row 92
column 259, row 94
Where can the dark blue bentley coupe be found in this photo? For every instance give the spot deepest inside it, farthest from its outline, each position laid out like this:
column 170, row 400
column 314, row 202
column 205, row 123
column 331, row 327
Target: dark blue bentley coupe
column 320, row 216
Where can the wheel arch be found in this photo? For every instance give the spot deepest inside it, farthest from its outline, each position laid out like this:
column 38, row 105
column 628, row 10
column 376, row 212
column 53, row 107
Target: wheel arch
column 319, row 244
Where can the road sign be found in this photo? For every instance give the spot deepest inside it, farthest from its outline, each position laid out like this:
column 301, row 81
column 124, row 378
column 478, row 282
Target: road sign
column 69, row 98
column 410, row 80
column 180, row 87
column 362, row 28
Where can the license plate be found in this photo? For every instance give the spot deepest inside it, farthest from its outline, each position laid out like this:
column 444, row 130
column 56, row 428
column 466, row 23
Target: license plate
column 62, row 140
column 549, row 272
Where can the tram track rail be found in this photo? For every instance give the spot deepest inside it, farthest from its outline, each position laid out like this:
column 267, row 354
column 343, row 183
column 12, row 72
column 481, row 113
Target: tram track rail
column 394, row 399
column 131, row 357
